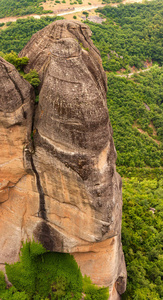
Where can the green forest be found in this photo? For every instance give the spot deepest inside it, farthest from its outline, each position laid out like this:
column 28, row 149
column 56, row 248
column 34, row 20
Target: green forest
column 142, row 237
column 21, row 7
column 131, row 36
column 136, row 113
column 18, row 33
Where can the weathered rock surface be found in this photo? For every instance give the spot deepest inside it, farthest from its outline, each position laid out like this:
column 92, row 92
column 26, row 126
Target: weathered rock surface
column 66, row 192
column 16, row 112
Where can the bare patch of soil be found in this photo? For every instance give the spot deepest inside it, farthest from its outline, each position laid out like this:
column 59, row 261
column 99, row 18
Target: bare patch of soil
column 135, row 125
column 59, row 7
column 154, row 129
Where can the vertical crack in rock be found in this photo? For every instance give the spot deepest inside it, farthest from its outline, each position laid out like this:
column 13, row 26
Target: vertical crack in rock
column 42, row 210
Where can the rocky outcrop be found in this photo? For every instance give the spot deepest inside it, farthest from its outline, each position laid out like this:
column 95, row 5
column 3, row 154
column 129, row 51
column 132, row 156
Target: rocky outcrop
column 16, row 112
column 68, row 193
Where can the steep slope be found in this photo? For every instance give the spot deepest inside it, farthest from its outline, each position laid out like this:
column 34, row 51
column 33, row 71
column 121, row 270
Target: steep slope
column 77, row 202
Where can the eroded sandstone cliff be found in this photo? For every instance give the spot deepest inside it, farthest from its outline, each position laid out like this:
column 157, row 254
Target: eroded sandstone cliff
column 61, row 187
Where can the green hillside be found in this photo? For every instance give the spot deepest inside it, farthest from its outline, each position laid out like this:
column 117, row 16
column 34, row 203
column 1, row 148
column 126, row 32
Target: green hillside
column 136, row 113
column 18, row 33
column 131, row 35
column 21, row 7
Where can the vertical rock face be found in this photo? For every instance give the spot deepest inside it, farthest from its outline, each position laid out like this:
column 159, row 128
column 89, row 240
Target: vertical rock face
column 71, row 197
column 16, row 111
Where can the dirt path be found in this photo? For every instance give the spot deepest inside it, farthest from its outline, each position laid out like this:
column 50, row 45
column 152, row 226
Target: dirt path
column 63, row 13
column 136, row 72
column 79, row 9
column 66, row 12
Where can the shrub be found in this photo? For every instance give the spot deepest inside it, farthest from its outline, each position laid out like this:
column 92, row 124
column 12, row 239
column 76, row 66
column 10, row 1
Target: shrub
column 12, row 293
column 86, row 14
column 94, row 292
column 8, row 23
column 2, row 282
column 37, row 99
column 81, row 45
column 33, row 78
column 63, row 277
column 43, row 275
column 18, row 62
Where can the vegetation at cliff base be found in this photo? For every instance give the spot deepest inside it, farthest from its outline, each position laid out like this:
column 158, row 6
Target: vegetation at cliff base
column 43, row 275
column 21, row 7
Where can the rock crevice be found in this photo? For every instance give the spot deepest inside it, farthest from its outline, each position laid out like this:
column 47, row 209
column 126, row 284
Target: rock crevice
column 42, row 211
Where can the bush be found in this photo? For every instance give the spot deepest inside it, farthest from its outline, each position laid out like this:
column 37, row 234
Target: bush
column 18, row 62
column 47, row 275
column 63, row 277
column 2, row 282
column 12, row 293
column 94, row 292
column 33, row 78
column 86, row 14
column 8, row 23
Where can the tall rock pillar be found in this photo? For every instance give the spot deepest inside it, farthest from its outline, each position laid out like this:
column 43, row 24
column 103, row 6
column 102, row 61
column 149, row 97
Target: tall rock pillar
column 72, row 163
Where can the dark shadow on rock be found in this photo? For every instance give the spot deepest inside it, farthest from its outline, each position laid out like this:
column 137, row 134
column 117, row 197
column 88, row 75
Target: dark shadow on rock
column 48, row 237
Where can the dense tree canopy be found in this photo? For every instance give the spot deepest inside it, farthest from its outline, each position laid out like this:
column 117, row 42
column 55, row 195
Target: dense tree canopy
column 142, row 237
column 136, row 113
column 21, row 7
column 131, row 34
column 16, row 36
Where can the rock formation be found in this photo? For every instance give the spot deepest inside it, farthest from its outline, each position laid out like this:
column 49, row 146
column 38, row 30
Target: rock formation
column 61, row 186
column 16, row 113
